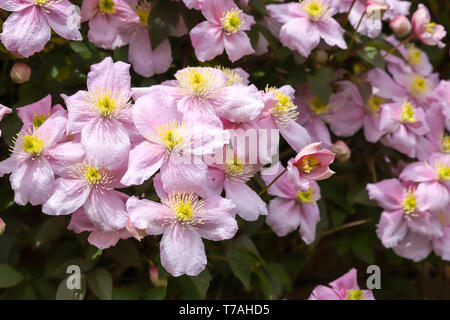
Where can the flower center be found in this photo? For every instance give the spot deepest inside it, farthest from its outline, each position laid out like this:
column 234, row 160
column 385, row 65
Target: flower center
column 419, row 85
column 409, row 202
column 107, row 6
column 284, row 110
column 374, row 104
column 169, row 134
column 443, row 173
column 314, row 8
column 143, row 12
column 32, row 145
column 317, row 106
column 39, row 119
column 92, row 175
column 41, row 2
column 306, row 196
column 355, row 294
column 235, row 167
column 414, row 55
column 407, row 114
column 429, row 27
column 187, row 208
column 232, row 21
column 446, row 144
column 233, row 76
column 308, row 164
column 198, row 81
column 105, row 104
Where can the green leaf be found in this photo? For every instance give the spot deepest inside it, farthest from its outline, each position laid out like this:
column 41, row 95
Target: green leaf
column 320, row 84
column 64, row 293
column 202, row 281
column 50, row 230
column 163, row 19
column 10, row 126
column 362, row 248
column 125, row 253
column 240, row 265
column 372, row 55
column 155, row 293
column 9, row 277
column 100, row 282
column 259, row 6
column 362, row 197
column 81, row 49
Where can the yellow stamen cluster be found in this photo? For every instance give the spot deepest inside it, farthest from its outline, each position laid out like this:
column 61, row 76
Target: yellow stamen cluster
column 445, row 147
column 409, row 202
column 200, row 82
column 407, row 114
column 317, row 106
column 374, row 103
column 41, row 2
column 232, row 21
column 284, row 110
column 143, row 12
column 314, row 8
column 429, row 27
column 414, row 55
column 107, row 6
column 106, row 105
column 419, row 85
column 92, row 175
column 109, row 103
column 96, row 177
column 308, row 164
column 170, row 134
column 443, row 173
column 355, row 294
column 32, row 144
column 187, row 208
column 305, row 196
column 233, row 76
column 39, row 119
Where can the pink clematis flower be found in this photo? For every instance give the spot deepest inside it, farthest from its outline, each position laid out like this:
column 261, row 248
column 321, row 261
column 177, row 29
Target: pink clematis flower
column 305, row 23
column 403, row 124
column 171, row 143
column 281, row 113
column 350, row 112
column 92, row 189
column 106, row 19
column 426, row 31
column 405, row 209
column 103, row 114
column 184, row 219
column 311, row 163
column 35, row 114
column 232, row 175
column 344, row 288
column 207, row 94
column 294, row 206
column 79, row 222
column 436, row 140
column 37, row 156
column 144, row 59
column 313, row 114
column 416, row 60
column 192, row 4
column 433, row 177
column 442, row 94
column 28, row 28
column 3, row 111
column 406, row 84
column 223, row 29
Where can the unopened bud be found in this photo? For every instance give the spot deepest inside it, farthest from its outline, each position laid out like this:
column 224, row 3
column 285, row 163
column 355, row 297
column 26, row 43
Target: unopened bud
column 376, row 7
column 138, row 234
column 2, row 226
column 401, row 26
column 342, row 151
column 320, row 56
column 20, row 72
column 154, row 277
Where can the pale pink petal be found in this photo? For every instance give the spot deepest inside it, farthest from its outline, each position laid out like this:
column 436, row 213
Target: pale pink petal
column 64, row 19
column 218, row 222
column 432, row 196
column 414, row 246
column 110, row 75
column 207, row 40
column 64, row 156
column 388, row 193
column 68, row 196
column 323, row 293
column 332, row 32
column 391, row 228
column 348, row 281
column 148, row 215
column 295, row 135
column 304, row 42
column 284, row 216
column 241, row 103
column 442, row 245
column 27, row 113
column 309, row 217
column 182, row 251
column 249, row 205
column 237, row 45
column 418, row 172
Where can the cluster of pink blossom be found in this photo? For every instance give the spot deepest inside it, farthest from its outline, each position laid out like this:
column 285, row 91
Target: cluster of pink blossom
column 72, row 162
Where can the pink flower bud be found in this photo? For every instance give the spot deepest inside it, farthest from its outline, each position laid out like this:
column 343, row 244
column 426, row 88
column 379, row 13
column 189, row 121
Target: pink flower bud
column 341, row 150
column 154, row 278
column 20, row 72
column 400, row 26
column 136, row 233
column 426, row 31
column 2, row 226
column 376, row 7
column 312, row 162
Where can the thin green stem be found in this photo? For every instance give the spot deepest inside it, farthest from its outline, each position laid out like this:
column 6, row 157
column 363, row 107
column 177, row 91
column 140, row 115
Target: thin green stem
column 273, row 181
column 348, row 14
column 398, row 45
column 356, row 31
